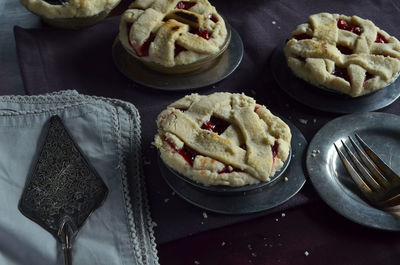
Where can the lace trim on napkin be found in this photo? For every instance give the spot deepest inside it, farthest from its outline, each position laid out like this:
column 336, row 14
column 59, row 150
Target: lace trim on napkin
column 138, row 212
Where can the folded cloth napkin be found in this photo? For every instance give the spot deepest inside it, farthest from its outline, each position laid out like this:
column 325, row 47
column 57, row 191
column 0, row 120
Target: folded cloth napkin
column 108, row 133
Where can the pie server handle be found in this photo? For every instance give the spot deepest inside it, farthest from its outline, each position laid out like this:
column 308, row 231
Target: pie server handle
column 66, row 232
column 67, row 249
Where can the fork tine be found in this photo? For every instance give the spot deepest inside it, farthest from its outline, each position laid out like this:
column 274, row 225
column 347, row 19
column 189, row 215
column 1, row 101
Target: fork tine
column 378, row 177
column 365, row 175
column 390, row 175
column 354, row 175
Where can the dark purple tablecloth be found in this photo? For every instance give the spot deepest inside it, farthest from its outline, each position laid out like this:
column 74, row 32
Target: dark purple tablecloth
column 54, row 59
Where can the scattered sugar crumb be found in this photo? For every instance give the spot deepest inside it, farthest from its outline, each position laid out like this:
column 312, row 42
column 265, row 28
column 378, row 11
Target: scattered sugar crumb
column 286, row 179
column 173, row 193
column 276, row 220
column 249, row 247
column 196, row 262
column 279, row 235
column 166, row 200
column 154, row 224
column 303, row 121
column 254, row 254
column 315, row 152
column 283, row 214
column 214, row 86
column 202, row 222
column 205, row 215
column 306, row 253
column 273, row 22
column 223, row 243
column 314, row 120
column 253, row 92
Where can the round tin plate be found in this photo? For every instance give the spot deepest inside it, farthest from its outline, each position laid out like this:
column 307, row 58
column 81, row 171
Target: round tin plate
column 229, row 190
column 139, row 73
column 256, row 200
column 322, row 99
column 328, row 175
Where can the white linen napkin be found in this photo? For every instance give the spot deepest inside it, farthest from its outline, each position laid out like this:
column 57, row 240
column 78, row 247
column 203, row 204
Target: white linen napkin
column 108, row 132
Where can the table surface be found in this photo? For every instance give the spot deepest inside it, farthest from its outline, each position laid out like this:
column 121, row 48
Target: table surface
column 270, row 239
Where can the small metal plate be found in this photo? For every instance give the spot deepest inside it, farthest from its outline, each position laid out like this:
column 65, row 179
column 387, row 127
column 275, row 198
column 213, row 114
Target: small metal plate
column 229, row 190
column 328, row 175
column 323, row 99
column 256, row 200
column 139, row 73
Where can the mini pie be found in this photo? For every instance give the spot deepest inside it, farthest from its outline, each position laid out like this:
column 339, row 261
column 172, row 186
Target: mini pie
column 222, row 139
column 347, row 54
column 171, row 32
column 55, row 9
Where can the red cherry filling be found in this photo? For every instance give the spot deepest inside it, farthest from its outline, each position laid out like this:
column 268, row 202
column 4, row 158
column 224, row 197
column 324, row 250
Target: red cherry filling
column 185, row 5
column 342, row 73
column 182, row 109
column 380, row 38
column 213, row 18
column 56, row 2
column 178, row 50
column 368, row 76
column 344, row 49
column 302, row 36
column 186, row 152
column 215, row 125
column 143, row 50
column 300, row 58
column 343, row 24
column 256, row 107
column 274, row 150
column 202, row 33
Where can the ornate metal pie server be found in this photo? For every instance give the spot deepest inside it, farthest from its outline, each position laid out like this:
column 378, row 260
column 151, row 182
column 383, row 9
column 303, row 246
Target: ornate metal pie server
column 63, row 189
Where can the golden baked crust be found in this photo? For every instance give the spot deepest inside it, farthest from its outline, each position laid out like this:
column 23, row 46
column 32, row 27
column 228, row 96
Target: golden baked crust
column 172, row 32
column 70, row 9
column 222, row 139
column 347, row 54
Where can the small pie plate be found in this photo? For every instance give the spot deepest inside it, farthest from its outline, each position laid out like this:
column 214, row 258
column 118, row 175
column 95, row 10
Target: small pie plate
column 249, row 199
column 227, row 189
column 329, row 177
column 323, row 99
column 209, row 74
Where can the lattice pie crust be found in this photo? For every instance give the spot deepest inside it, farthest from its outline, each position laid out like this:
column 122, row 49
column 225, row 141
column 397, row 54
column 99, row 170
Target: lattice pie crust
column 222, row 139
column 347, row 54
column 172, row 32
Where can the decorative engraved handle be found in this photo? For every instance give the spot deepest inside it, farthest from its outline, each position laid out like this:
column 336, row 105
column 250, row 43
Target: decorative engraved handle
column 66, row 232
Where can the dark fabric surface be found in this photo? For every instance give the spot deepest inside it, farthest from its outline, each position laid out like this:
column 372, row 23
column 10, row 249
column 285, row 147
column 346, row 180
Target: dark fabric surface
column 54, row 59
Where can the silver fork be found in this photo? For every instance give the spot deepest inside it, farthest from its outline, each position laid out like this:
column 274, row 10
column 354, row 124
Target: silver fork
column 379, row 184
